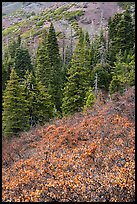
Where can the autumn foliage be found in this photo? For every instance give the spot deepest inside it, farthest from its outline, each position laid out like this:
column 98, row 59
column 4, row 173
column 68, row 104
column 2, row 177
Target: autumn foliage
column 83, row 157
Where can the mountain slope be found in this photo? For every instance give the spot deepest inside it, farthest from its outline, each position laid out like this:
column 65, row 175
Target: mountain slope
column 87, row 157
column 31, row 19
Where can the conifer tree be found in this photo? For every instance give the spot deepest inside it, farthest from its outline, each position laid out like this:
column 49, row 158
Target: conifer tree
column 123, row 73
column 39, row 101
column 15, row 108
column 116, row 84
column 132, row 70
column 68, row 57
column 104, row 75
column 22, row 62
column 4, row 75
column 112, row 23
column 95, row 51
column 98, row 49
column 8, row 60
column 81, row 36
column 7, row 64
column 56, row 67
column 87, row 39
column 125, row 33
column 121, row 35
column 78, row 80
column 13, row 45
column 43, row 65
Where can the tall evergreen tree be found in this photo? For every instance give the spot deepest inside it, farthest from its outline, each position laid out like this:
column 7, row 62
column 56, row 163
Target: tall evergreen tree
column 4, row 76
column 43, row 65
column 104, row 75
column 15, row 108
column 78, row 80
column 8, row 60
column 68, row 58
column 98, row 49
column 87, row 39
column 6, row 66
column 125, row 33
column 112, row 23
column 121, row 34
column 39, row 101
column 132, row 70
column 81, row 36
column 56, row 67
column 123, row 72
column 13, row 45
column 22, row 61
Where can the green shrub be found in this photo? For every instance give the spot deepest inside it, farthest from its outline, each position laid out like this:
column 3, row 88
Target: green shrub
column 117, row 84
column 40, row 23
column 89, row 99
column 73, row 15
column 28, row 15
column 60, row 10
column 35, row 18
column 75, row 26
column 9, row 30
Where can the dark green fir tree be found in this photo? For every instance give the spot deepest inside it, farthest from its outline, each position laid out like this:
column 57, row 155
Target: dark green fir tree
column 15, row 117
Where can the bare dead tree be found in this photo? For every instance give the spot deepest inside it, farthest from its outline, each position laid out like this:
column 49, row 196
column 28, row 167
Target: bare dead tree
column 63, row 48
column 71, row 42
column 96, row 85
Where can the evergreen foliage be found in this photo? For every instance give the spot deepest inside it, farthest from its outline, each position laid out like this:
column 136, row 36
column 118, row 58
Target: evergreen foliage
column 117, row 84
column 98, row 49
column 8, row 60
column 132, row 70
column 22, row 62
column 123, row 72
column 78, row 80
column 13, row 45
column 4, row 76
column 39, row 101
column 15, row 56
column 68, row 56
column 67, row 62
column 56, row 67
column 125, row 33
column 104, row 75
column 43, row 65
column 89, row 99
column 121, row 34
column 87, row 39
column 15, row 108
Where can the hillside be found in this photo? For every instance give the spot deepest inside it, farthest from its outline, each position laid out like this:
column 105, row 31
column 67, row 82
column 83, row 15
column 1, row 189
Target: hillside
column 31, row 19
column 84, row 157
